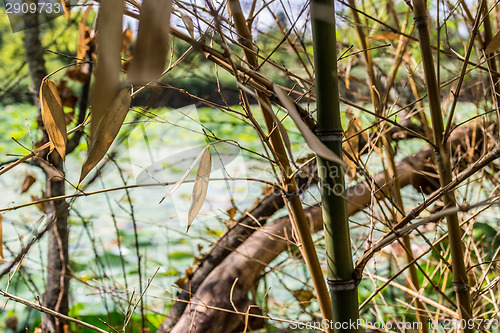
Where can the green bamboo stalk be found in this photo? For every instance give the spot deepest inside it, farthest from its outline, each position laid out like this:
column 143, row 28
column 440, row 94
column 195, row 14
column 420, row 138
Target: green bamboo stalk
column 460, row 281
column 299, row 218
column 343, row 288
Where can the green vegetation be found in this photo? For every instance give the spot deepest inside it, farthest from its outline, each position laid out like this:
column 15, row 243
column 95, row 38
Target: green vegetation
column 259, row 89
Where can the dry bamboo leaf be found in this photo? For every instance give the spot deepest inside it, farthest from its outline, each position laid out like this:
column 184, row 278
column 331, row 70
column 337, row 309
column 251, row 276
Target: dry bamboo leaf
column 29, row 180
column 352, row 144
column 200, row 185
column 66, row 9
column 184, row 176
column 494, row 44
column 107, row 73
column 127, row 40
column 268, row 109
column 51, row 172
column 1, row 236
column 386, row 35
column 348, row 73
column 39, row 205
column 232, row 212
column 312, row 140
column 83, row 35
column 53, row 116
column 78, row 74
column 106, row 131
column 151, row 48
column 188, row 23
column 304, row 297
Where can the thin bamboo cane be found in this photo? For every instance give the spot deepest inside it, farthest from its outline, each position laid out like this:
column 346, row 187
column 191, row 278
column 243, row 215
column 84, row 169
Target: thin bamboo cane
column 343, row 288
column 299, row 217
column 488, row 35
column 379, row 106
column 460, row 281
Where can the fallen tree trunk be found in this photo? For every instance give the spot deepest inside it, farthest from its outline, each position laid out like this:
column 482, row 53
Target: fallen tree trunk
column 244, row 265
column 258, row 216
column 224, row 291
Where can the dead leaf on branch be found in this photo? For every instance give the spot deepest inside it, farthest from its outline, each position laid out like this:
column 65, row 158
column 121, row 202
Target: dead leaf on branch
column 312, row 140
column 386, row 35
column 352, row 144
column 184, row 176
column 106, row 131
column 494, row 44
column 53, row 116
column 29, row 180
column 39, row 205
column 107, row 73
column 188, row 23
column 84, row 38
column 66, row 5
column 127, row 40
column 200, row 185
column 151, row 48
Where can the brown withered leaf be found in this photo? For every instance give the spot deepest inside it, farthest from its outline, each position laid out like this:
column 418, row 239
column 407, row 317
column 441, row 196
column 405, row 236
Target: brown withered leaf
column 29, row 180
column 78, row 74
column 351, row 146
column 151, row 48
column 494, row 44
column 304, row 297
column 348, row 73
column 181, row 282
column 312, row 140
column 200, row 185
column 53, row 116
column 51, row 171
column 83, row 35
column 127, row 40
column 188, row 23
column 107, row 73
column 184, row 176
column 106, row 131
column 231, row 222
column 66, row 8
column 232, row 212
column 126, row 63
column 386, row 35
column 40, row 205
column 67, row 95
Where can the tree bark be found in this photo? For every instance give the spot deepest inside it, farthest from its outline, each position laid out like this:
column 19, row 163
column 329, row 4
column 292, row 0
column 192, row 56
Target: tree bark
column 56, row 294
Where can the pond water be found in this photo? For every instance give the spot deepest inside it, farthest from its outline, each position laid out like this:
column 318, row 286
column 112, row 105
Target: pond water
column 102, row 226
column 149, row 153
